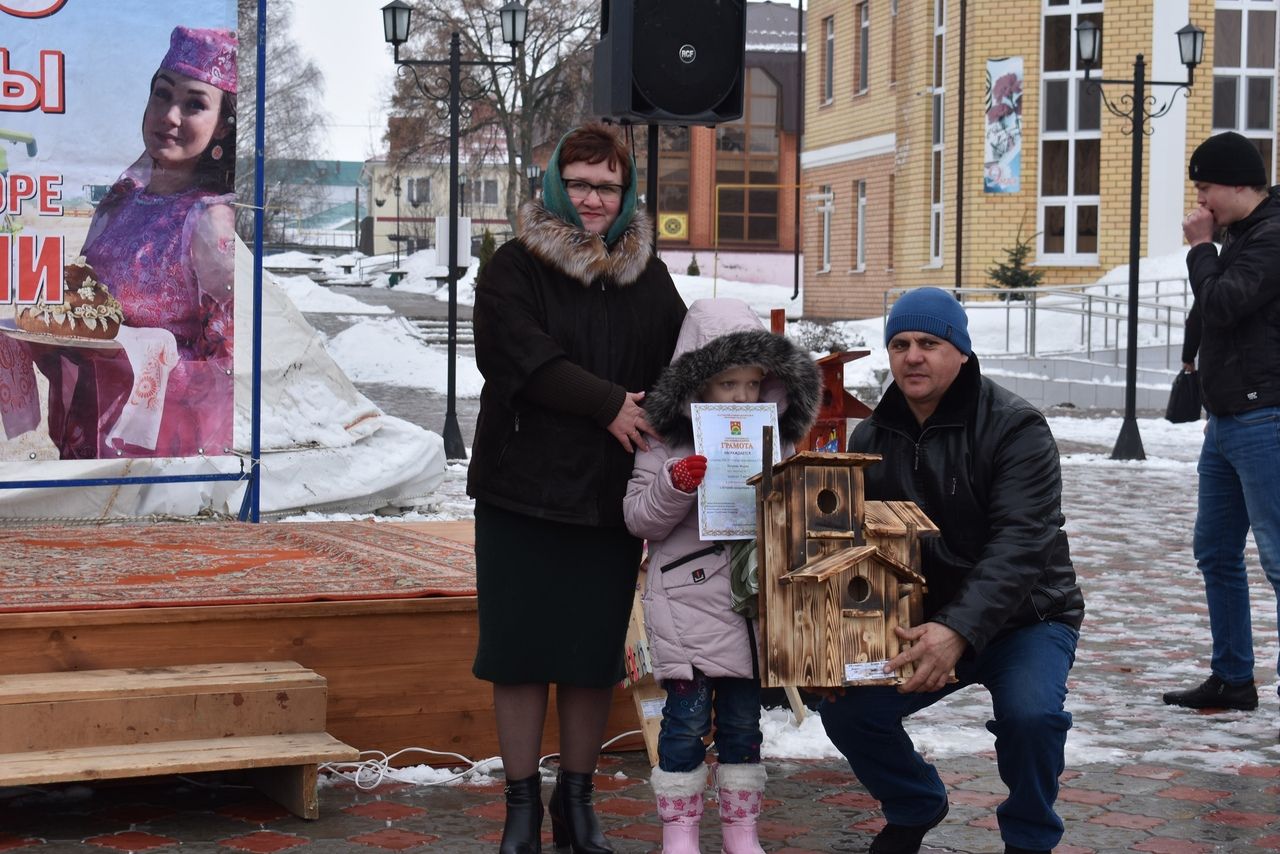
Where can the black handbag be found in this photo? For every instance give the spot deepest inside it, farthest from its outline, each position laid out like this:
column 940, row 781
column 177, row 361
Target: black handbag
column 1184, row 398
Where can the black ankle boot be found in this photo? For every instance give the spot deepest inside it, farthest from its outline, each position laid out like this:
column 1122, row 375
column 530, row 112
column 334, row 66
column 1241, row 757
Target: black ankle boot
column 573, row 822
column 522, row 831
column 1214, row 693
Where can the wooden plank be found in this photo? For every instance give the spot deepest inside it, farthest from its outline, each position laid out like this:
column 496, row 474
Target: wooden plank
column 462, row 530
column 155, row 681
column 797, row 705
column 171, row 757
column 775, row 610
column 833, row 564
column 291, row 786
column 377, row 698
column 57, row 620
column 911, row 514
column 649, row 698
column 841, row 459
column 828, row 503
column 881, row 521
column 141, row 719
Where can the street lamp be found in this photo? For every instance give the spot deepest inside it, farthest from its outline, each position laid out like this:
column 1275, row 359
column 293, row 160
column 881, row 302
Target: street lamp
column 395, row 26
column 1089, row 50
column 534, row 172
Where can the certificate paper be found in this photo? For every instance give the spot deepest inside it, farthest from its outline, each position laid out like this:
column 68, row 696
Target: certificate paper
column 730, row 436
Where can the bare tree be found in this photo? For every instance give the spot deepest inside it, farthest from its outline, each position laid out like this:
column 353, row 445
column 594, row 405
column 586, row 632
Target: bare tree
column 507, row 109
column 294, row 122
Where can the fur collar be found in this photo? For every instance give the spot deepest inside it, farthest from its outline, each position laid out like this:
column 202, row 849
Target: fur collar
column 582, row 255
column 791, row 381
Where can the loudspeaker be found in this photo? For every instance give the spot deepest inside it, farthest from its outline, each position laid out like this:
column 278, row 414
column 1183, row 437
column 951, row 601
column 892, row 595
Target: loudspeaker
column 676, row 62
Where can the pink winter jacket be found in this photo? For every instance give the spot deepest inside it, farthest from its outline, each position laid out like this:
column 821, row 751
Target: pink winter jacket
column 686, row 599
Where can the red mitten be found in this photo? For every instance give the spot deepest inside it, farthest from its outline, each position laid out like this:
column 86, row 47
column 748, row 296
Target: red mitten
column 689, row 472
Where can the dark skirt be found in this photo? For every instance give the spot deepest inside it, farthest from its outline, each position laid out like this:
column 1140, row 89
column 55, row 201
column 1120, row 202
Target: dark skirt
column 554, row 599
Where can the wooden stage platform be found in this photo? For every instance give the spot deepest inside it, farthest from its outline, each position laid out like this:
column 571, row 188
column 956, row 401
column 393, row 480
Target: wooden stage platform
column 398, row 670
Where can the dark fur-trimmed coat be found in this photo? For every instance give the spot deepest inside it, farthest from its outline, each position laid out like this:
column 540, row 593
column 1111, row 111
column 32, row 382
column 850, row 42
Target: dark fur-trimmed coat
column 686, row 601
column 559, row 292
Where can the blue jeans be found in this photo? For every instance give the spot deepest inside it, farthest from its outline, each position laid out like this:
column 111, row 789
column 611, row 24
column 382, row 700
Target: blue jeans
column 1239, row 489
column 1026, row 673
column 686, row 719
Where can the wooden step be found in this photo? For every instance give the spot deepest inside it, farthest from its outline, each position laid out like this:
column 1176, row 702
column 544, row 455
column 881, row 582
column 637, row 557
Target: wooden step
column 135, row 706
column 283, row 766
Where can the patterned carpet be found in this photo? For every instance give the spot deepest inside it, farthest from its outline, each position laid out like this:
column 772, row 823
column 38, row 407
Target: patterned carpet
column 62, row 569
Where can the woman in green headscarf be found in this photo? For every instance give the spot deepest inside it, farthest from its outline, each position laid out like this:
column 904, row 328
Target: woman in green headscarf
column 574, row 320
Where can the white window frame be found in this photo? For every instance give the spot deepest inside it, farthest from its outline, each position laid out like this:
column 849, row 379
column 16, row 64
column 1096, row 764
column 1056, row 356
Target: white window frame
column 1244, row 72
column 419, row 191
column 937, row 177
column 864, row 45
column 827, row 207
column 829, row 59
column 860, row 218
column 1071, row 202
column 893, row 42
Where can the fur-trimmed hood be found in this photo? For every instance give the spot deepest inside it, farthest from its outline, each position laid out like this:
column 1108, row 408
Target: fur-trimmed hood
column 719, row 334
column 582, row 255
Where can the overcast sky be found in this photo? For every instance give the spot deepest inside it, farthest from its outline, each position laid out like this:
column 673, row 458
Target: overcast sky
column 344, row 37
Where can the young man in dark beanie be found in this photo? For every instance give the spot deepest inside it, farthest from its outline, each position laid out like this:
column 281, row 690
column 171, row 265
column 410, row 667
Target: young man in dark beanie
column 1003, row 609
column 1237, row 298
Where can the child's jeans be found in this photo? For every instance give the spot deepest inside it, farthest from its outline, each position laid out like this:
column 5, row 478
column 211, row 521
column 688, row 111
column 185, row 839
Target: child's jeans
column 686, row 718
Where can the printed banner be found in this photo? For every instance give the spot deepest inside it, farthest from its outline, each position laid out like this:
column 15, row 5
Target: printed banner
column 1002, row 146
column 117, row 242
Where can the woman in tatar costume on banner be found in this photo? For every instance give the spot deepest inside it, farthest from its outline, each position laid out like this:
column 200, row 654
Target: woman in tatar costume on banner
column 163, row 243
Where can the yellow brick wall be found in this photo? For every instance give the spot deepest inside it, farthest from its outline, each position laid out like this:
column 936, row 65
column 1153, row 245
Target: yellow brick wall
column 844, row 291
column 1200, row 102
column 991, row 221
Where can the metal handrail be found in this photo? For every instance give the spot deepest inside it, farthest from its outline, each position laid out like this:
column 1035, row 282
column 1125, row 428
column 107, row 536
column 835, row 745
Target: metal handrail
column 1159, row 308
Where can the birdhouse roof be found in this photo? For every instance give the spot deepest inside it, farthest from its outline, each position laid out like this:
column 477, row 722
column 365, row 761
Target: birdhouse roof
column 816, row 458
column 845, row 560
column 893, row 518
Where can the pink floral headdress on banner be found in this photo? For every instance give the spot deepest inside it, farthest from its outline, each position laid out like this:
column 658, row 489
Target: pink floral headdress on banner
column 203, row 54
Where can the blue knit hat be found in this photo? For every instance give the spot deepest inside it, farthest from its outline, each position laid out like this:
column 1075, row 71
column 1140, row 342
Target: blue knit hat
column 930, row 310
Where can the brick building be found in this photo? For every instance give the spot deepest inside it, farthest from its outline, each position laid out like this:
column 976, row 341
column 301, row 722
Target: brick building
column 938, row 130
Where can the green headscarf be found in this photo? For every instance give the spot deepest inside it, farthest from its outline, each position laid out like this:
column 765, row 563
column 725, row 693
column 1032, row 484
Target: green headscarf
column 556, row 200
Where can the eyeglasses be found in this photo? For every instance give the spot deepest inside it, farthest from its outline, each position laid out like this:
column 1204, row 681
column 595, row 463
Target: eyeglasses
column 579, row 190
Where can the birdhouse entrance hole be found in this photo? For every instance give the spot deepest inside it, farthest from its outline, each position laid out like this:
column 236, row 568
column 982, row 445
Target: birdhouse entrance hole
column 859, row 589
column 827, row 501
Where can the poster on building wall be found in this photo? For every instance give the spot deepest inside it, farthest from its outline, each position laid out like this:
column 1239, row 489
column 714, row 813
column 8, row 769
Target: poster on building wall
column 1002, row 146
column 117, row 243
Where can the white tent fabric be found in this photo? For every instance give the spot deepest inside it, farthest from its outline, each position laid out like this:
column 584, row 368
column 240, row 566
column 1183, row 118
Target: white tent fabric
column 324, row 446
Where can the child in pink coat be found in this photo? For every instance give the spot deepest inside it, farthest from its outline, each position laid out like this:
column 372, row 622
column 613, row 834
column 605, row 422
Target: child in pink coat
column 704, row 651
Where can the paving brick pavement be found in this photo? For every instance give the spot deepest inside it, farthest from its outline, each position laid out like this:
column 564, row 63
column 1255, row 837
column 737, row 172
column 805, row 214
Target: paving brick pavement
column 1141, row 776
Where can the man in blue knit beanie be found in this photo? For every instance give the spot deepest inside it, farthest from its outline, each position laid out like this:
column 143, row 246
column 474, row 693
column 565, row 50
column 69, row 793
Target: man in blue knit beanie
column 1002, row 610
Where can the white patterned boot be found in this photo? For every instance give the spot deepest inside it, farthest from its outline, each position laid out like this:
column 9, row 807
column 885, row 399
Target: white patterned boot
column 679, row 796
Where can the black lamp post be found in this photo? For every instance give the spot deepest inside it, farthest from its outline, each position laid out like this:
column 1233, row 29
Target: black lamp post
column 1140, row 109
column 395, row 26
column 534, row 173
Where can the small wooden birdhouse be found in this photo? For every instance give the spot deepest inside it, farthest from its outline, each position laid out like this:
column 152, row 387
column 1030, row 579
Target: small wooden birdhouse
column 837, row 573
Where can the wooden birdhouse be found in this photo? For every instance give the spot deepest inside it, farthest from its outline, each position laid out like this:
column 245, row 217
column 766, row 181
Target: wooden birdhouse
column 837, row 573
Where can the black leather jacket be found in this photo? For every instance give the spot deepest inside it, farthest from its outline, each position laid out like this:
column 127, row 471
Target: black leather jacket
column 1238, row 302
column 984, row 468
